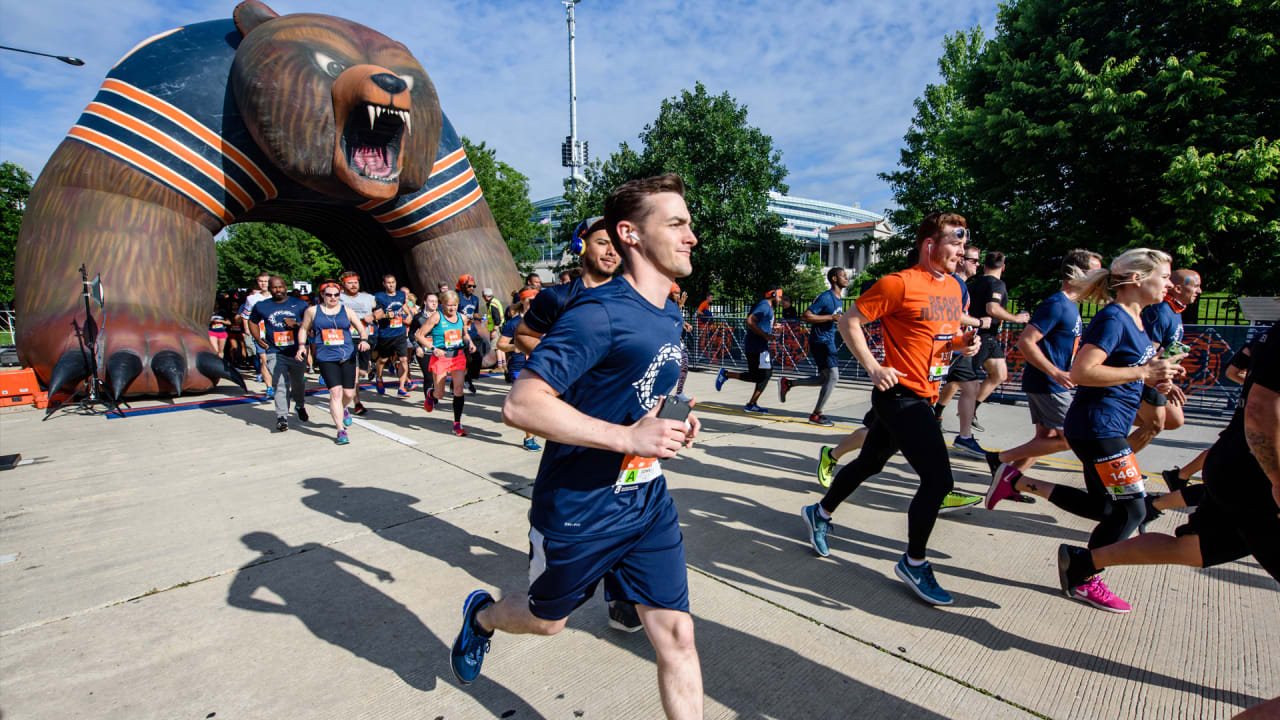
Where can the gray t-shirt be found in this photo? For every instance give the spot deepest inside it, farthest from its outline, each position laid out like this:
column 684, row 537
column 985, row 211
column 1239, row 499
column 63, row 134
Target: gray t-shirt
column 361, row 304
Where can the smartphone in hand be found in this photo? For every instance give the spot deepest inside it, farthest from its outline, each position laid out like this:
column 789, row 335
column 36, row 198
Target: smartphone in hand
column 674, row 407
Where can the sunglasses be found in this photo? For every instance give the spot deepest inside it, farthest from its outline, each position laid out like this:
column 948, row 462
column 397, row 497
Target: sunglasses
column 961, row 233
column 332, row 294
column 470, row 286
column 971, row 259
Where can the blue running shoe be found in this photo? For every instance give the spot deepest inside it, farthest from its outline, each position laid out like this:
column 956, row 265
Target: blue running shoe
column 816, row 528
column 754, row 408
column 532, row 445
column 469, row 648
column 969, row 446
column 379, row 385
column 342, row 438
column 920, row 579
column 270, row 395
column 346, row 418
column 721, row 378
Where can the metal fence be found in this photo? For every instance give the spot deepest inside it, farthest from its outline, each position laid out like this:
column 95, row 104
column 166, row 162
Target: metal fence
column 718, row 343
column 1216, row 310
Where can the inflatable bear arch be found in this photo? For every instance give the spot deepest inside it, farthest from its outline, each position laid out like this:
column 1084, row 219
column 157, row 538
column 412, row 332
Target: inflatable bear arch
column 308, row 120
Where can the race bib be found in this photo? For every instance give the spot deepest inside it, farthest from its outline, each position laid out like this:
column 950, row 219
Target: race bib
column 332, row 336
column 1121, row 475
column 452, row 338
column 940, row 364
column 396, row 321
column 284, row 338
column 765, row 361
column 635, row 472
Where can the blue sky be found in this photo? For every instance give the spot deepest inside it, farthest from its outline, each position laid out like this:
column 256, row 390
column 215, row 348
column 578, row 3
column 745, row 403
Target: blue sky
column 831, row 82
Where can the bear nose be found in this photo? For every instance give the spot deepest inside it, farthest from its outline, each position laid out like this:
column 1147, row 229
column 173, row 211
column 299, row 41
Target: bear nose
column 389, row 82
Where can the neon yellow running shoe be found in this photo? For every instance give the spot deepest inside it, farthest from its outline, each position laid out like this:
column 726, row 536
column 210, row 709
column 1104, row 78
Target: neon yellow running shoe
column 826, row 466
column 958, row 500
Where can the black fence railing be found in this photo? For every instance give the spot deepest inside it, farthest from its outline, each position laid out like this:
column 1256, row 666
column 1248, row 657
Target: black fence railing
column 718, row 343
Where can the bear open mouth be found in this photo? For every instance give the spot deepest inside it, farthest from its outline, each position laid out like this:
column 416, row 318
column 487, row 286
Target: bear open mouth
column 371, row 140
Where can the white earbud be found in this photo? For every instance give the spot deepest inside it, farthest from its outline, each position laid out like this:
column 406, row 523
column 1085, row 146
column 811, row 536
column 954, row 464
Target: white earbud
column 633, row 236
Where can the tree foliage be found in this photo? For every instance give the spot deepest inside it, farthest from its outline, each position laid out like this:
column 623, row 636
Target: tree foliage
column 808, row 282
column 15, row 188
column 293, row 254
column 1110, row 124
column 507, row 193
column 728, row 167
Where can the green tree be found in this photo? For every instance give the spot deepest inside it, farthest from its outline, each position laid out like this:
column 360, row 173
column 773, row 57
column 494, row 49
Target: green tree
column 929, row 177
column 1110, row 124
column 807, row 282
column 15, row 187
column 507, row 193
column 728, row 167
column 253, row 248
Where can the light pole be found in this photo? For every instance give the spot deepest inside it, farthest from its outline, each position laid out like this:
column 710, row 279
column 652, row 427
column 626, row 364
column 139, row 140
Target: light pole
column 573, row 154
column 68, row 60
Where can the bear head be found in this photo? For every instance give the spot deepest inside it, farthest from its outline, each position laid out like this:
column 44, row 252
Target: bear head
column 338, row 107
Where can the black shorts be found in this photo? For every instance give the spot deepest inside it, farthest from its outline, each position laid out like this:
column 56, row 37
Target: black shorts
column 961, row 370
column 389, row 347
column 991, row 348
column 362, row 358
column 339, row 373
column 823, row 356
column 1153, row 397
column 1228, row 532
column 1093, row 452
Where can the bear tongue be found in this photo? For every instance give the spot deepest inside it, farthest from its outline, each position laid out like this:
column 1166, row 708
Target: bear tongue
column 371, row 161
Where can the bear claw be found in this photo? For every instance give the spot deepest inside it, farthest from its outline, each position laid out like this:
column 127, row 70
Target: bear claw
column 71, row 369
column 123, row 368
column 169, row 366
column 214, row 368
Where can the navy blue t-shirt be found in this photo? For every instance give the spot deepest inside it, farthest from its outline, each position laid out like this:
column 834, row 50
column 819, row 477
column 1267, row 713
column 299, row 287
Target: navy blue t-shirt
column 613, row 356
column 548, row 305
column 1058, row 319
column 467, row 307
column 1163, row 324
column 393, row 305
column 279, row 337
column 1107, row 412
column 763, row 313
column 515, row 360
column 824, row 333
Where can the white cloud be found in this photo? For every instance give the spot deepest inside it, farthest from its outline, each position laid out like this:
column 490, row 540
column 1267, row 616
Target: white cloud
column 831, row 82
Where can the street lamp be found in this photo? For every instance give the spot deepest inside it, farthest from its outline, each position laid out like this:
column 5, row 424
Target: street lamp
column 68, row 60
column 573, row 154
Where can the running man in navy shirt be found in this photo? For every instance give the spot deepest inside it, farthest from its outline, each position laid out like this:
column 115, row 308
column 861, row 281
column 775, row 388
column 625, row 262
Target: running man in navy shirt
column 756, row 348
column 391, row 312
column 823, row 313
column 274, row 323
column 601, row 510
column 1048, row 343
column 1163, row 323
column 1114, row 361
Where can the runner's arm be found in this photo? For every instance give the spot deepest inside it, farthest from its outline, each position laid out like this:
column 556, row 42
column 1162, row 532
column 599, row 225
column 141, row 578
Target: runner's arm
column 753, row 326
column 1262, row 431
column 424, row 331
column 506, row 344
column 358, row 325
column 1028, row 343
column 1087, row 369
column 535, row 407
column 851, row 330
column 525, row 339
column 304, row 329
column 995, row 310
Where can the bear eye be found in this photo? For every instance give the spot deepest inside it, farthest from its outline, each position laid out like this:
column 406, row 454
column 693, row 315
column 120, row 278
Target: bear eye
column 330, row 66
column 408, row 81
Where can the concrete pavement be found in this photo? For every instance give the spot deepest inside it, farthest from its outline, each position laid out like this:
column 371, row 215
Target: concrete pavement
column 196, row 564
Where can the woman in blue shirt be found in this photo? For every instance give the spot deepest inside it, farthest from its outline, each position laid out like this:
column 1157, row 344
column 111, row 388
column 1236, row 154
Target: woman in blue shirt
column 1115, row 360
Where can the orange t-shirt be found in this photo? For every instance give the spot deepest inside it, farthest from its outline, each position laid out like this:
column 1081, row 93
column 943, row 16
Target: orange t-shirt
column 920, row 317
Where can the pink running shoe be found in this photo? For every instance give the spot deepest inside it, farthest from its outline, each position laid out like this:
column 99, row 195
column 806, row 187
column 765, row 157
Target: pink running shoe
column 1096, row 593
column 1002, row 484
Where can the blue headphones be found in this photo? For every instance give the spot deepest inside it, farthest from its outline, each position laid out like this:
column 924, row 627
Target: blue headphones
column 578, row 244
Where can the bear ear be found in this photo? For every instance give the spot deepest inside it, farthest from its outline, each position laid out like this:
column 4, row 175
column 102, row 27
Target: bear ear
column 250, row 14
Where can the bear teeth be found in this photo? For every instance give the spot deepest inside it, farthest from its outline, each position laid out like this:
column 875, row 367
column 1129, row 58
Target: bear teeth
column 376, row 110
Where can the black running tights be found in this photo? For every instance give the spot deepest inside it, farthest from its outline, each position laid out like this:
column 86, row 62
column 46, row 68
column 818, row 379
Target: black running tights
column 903, row 421
column 1117, row 519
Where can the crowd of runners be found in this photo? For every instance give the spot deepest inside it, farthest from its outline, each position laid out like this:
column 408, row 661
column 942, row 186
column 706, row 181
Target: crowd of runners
column 598, row 362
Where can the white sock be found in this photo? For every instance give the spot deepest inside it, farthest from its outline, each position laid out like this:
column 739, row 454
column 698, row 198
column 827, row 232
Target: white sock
column 914, row 562
column 822, row 513
column 964, row 437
